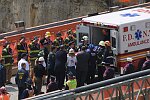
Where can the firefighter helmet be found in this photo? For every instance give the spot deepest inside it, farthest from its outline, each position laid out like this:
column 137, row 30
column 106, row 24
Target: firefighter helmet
column 47, row 34
column 102, row 43
column 85, row 37
column 107, row 43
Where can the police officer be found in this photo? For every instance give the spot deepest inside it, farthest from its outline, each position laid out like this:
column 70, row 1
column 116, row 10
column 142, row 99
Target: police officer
column 8, row 57
column 129, row 67
column 100, row 55
column 59, row 40
column 20, row 79
column 34, row 50
column 92, row 64
column 69, row 39
column 22, row 47
column 2, row 73
column 146, row 64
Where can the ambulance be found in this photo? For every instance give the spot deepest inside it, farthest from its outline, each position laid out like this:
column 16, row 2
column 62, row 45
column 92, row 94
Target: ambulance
column 128, row 32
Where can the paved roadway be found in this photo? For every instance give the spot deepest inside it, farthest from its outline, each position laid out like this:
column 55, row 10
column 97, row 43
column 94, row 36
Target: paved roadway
column 13, row 90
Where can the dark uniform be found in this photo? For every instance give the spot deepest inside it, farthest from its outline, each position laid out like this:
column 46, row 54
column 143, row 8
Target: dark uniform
column 68, row 40
column 60, row 66
column 20, row 79
column 109, row 73
column 2, row 74
column 8, row 58
column 92, row 64
column 34, row 51
column 50, row 64
column 39, row 72
column 59, row 40
column 146, row 64
column 129, row 68
column 72, row 46
column 22, row 48
column 100, row 67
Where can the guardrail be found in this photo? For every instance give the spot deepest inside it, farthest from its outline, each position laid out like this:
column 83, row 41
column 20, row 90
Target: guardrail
column 131, row 86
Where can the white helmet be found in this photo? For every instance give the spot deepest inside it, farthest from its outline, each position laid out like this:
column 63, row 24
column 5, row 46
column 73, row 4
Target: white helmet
column 85, row 37
column 102, row 43
column 71, row 51
column 41, row 59
column 129, row 59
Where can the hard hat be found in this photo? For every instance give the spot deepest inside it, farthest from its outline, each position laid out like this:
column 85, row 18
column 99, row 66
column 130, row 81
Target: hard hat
column 71, row 51
column 107, row 43
column 102, row 43
column 47, row 34
column 41, row 59
column 129, row 59
column 85, row 37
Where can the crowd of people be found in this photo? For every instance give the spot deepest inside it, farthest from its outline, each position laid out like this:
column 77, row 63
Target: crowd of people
column 60, row 64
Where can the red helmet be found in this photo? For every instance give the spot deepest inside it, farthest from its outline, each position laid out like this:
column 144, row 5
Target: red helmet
column 107, row 43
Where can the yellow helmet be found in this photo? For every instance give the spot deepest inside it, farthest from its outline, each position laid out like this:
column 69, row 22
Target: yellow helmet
column 47, row 34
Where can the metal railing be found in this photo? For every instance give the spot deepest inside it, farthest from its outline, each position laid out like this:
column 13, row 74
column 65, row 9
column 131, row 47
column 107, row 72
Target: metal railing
column 132, row 86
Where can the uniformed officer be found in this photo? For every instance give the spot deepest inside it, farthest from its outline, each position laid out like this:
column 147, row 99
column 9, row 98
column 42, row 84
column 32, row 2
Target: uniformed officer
column 92, row 64
column 100, row 55
column 59, row 40
column 22, row 47
column 46, row 41
column 85, row 41
column 129, row 67
column 2, row 73
column 69, row 39
column 146, row 64
column 34, row 50
column 8, row 57
column 107, row 52
column 20, row 79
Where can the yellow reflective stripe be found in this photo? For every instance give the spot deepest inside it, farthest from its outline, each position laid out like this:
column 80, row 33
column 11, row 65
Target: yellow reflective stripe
column 6, row 56
column 7, row 64
column 33, row 58
column 22, row 50
column 34, row 51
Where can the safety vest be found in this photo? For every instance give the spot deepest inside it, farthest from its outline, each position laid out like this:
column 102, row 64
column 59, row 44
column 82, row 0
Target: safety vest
column 34, row 50
column 72, row 84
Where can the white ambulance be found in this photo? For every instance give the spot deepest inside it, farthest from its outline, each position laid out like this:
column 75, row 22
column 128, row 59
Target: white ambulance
column 127, row 30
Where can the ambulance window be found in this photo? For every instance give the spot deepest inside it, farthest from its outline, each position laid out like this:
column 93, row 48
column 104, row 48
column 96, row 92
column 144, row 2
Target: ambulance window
column 113, row 42
column 147, row 25
column 133, row 28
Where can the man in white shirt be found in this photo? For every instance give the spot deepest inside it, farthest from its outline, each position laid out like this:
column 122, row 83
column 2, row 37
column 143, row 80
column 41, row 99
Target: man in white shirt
column 23, row 60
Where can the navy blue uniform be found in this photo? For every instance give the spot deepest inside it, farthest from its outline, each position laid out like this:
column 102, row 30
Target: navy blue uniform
column 2, row 75
column 50, row 65
column 60, row 67
column 92, row 66
column 20, row 79
column 129, row 68
column 146, row 65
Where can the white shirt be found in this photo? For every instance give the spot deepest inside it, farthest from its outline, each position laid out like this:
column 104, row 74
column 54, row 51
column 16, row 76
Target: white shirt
column 23, row 61
column 71, row 61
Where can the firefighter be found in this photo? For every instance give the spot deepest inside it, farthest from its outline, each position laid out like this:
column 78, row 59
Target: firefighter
column 100, row 55
column 83, row 42
column 22, row 47
column 108, row 52
column 8, row 58
column 34, row 50
column 46, row 41
column 59, row 40
column 69, row 39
